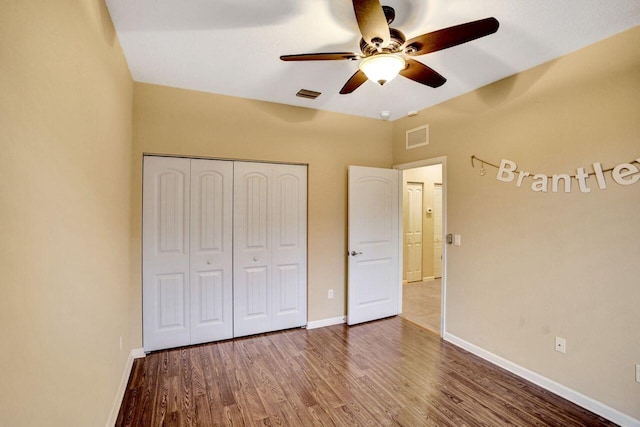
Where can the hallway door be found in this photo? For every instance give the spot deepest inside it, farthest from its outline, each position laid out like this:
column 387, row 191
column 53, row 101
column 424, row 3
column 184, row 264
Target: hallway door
column 413, row 231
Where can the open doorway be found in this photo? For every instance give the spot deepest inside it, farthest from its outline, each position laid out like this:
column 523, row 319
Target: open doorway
column 422, row 278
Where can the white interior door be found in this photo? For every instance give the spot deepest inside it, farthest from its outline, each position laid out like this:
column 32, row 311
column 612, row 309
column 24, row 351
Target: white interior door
column 437, row 230
column 374, row 272
column 413, row 232
column 269, row 247
column 211, row 254
column 165, row 253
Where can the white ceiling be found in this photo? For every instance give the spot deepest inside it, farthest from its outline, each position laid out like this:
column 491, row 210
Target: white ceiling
column 232, row 47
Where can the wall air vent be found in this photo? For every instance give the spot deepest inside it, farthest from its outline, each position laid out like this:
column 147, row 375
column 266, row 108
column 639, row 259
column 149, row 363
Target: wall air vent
column 309, row 94
column 418, row 137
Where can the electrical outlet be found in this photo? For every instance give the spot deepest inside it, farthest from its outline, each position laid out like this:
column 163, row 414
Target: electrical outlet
column 330, row 293
column 638, row 372
column 561, row 345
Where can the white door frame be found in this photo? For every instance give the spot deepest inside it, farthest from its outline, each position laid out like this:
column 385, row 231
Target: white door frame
column 437, row 212
column 417, row 164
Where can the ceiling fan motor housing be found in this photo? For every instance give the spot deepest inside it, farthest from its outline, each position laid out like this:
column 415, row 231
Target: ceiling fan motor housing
column 396, row 41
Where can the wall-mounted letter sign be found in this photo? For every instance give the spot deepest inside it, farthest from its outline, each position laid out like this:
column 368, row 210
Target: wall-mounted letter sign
column 622, row 174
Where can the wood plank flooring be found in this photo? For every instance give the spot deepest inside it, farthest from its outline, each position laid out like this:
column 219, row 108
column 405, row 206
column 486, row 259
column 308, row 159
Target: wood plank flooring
column 384, row 373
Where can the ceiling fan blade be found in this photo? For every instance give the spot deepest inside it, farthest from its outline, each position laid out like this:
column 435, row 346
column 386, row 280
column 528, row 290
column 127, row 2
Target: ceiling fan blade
column 353, row 83
column 418, row 72
column 372, row 22
column 451, row 36
column 328, row 56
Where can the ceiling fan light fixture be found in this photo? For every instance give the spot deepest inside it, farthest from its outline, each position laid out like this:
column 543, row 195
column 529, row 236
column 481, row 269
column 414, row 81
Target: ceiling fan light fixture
column 382, row 67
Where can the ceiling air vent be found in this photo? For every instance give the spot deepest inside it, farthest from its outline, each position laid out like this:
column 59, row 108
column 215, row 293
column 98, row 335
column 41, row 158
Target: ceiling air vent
column 418, row 137
column 309, row 94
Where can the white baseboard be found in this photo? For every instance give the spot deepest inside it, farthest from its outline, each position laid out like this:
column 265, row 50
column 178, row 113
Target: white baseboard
column 136, row 353
column 326, row 322
column 550, row 385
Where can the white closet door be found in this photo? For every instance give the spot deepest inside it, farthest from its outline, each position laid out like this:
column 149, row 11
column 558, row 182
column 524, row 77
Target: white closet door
column 165, row 253
column 269, row 247
column 211, row 250
column 289, row 246
column 251, row 259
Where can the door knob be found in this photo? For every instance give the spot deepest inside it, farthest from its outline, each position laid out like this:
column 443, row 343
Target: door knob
column 354, row 253
column 208, row 261
column 255, row 258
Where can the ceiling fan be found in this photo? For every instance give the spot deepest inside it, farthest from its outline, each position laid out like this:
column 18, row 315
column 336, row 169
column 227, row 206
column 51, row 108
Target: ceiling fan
column 386, row 53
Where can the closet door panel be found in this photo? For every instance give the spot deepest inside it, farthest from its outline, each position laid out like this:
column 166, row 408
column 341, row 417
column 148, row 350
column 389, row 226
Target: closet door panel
column 289, row 246
column 252, row 258
column 211, row 250
column 255, row 303
column 165, row 246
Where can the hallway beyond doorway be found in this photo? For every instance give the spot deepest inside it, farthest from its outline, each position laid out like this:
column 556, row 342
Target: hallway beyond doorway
column 421, row 303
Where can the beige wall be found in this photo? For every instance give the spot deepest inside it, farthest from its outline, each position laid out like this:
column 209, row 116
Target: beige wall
column 534, row 266
column 65, row 155
column 181, row 122
column 428, row 176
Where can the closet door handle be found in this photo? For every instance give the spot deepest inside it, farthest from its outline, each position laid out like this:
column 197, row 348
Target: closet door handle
column 255, row 258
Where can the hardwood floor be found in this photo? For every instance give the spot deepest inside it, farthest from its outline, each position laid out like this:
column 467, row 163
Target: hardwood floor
column 421, row 303
column 389, row 373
